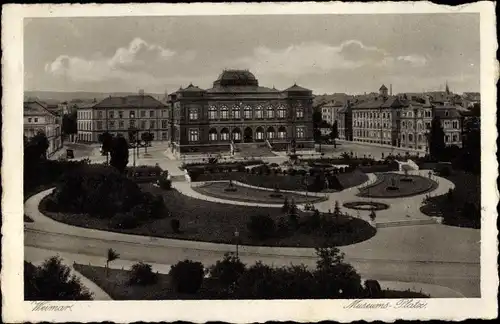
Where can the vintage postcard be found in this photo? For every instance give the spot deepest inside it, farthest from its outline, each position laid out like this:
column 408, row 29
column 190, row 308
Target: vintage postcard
column 249, row 162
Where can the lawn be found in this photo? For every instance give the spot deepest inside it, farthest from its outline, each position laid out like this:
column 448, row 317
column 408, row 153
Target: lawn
column 207, row 221
column 284, row 182
column 115, row 284
column 380, row 189
column 245, row 194
column 467, row 189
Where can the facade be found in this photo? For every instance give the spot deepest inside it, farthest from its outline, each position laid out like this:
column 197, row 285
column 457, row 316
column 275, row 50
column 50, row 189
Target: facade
column 451, row 121
column 238, row 110
column 329, row 111
column 117, row 115
column 344, row 122
column 416, row 117
column 37, row 118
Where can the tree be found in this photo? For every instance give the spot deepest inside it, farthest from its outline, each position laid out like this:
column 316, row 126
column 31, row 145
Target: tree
column 229, row 270
column 336, row 209
column 317, row 119
column 261, row 226
column 35, row 148
column 335, row 133
column 286, row 206
column 142, row 274
column 147, row 138
column 52, row 281
column 69, row 123
column 111, row 256
column 106, row 139
column 187, row 276
column 119, row 153
column 436, row 138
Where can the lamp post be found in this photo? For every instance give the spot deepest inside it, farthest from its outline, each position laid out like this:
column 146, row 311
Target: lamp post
column 237, row 236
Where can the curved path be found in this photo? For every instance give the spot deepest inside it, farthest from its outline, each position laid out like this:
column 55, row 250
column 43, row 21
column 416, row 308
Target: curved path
column 431, row 254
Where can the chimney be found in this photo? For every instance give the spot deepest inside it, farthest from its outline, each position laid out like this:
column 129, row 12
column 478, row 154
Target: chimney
column 390, row 92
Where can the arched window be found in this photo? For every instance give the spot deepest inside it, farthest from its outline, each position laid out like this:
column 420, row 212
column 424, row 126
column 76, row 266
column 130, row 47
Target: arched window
column 247, row 113
column 420, row 137
column 236, row 134
column 224, row 134
column 258, row 112
column 212, row 112
column 270, row 111
column 281, row 111
column 212, row 135
column 224, row 112
column 300, row 111
column 403, row 137
column 236, row 111
column 282, row 132
column 410, row 137
column 259, row 134
column 404, row 124
column 270, row 133
column 455, row 137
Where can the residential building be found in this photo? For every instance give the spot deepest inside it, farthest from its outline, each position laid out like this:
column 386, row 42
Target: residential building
column 39, row 119
column 236, row 109
column 330, row 110
column 415, row 120
column 117, row 115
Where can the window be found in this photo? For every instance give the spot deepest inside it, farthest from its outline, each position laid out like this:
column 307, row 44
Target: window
column 259, row 112
column 131, row 114
column 212, row 135
column 29, row 120
column 403, row 137
column 143, row 124
column 236, row 112
column 428, row 125
column 300, row 112
column 99, row 125
column 259, row 134
column 420, row 137
column 164, row 135
column 403, row 124
column 164, row 113
column 224, row 134
column 410, row 137
column 36, row 120
column 132, row 123
column 111, row 114
column 99, row 114
column 120, row 124
column 410, row 114
column 163, row 124
column 151, row 113
column 447, row 138
column 446, row 113
column 455, row 137
column 247, row 112
column 270, row 133
column 143, row 113
column 455, row 124
column 152, row 124
column 212, row 112
column 301, row 132
column 281, row 111
column 120, row 114
column 282, row 133
column 236, row 135
column 193, row 135
column 410, row 124
column 224, row 112
column 111, row 124
column 193, row 113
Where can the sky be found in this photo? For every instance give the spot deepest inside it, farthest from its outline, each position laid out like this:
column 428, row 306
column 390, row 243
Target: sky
column 326, row 53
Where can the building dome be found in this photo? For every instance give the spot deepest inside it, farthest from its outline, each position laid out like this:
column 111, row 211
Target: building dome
column 236, row 77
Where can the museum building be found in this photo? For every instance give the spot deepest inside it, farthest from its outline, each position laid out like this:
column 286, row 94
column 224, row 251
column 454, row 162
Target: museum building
column 238, row 112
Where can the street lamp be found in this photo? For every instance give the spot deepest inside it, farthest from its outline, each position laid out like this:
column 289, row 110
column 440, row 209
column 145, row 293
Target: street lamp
column 237, row 236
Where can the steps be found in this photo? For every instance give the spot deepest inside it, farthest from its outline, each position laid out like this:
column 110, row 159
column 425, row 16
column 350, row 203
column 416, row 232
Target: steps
column 253, row 150
column 409, row 222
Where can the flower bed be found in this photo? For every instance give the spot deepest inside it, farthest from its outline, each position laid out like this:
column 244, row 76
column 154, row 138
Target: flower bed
column 366, row 205
column 246, row 194
column 390, row 185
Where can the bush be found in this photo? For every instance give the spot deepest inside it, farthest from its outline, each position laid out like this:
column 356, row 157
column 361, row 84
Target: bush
column 187, row 276
column 261, row 226
column 175, row 225
column 142, row 274
column 165, row 183
column 229, row 270
column 52, row 281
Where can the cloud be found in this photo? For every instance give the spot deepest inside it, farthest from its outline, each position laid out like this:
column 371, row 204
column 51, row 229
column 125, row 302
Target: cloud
column 320, row 58
column 139, row 60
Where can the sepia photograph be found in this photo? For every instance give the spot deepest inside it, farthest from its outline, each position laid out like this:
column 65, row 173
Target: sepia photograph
column 250, row 154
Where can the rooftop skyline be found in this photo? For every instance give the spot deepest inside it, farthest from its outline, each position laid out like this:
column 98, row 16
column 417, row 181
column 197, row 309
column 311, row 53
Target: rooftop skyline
column 325, row 53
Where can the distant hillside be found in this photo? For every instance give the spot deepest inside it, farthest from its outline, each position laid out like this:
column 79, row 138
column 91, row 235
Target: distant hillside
column 67, row 96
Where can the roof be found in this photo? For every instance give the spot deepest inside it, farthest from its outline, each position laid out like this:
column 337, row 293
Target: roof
column 295, row 87
column 236, row 77
column 383, row 87
column 132, row 101
column 241, row 89
column 380, row 102
column 441, row 112
column 191, row 88
column 36, row 108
